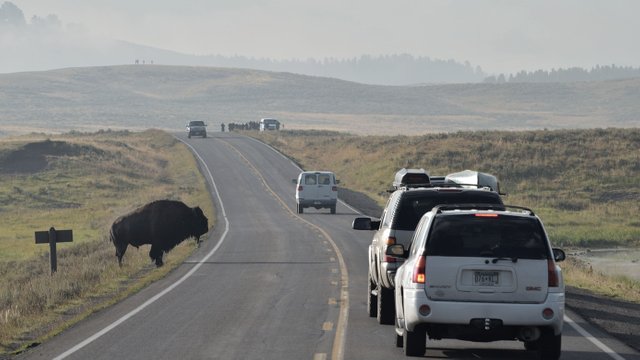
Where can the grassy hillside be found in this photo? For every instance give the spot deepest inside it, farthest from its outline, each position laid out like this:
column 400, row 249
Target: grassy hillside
column 583, row 183
column 143, row 96
column 81, row 182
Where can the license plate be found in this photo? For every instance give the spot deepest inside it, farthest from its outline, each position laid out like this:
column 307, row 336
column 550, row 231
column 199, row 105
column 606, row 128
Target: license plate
column 486, row 278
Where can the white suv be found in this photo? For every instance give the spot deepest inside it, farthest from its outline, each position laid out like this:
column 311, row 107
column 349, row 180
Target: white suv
column 479, row 273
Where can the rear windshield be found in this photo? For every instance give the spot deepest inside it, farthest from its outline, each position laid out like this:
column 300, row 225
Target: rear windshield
column 412, row 207
column 324, row 179
column 473, row 236
column 197, row 123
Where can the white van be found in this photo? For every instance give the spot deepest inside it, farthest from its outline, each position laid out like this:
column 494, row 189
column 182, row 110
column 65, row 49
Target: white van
column 317, row 189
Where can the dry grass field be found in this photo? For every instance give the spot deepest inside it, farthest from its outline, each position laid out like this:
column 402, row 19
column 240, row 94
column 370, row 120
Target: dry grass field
column 81, row 181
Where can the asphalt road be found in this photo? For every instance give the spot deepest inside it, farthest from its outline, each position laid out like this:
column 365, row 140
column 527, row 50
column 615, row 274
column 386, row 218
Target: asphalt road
column 271, row 284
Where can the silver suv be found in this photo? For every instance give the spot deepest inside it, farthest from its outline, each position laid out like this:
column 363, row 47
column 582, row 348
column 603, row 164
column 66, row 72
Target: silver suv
column 479, row 273
column 399, row 218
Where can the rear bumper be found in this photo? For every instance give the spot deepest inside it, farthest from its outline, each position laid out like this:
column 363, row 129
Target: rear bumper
column 462, row 313
column 317, row 203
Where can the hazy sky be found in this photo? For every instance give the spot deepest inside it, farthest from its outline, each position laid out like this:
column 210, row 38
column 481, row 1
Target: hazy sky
column 498, row 35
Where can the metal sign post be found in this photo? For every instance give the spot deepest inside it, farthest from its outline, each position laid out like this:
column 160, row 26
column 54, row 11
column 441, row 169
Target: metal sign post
column 52, row 237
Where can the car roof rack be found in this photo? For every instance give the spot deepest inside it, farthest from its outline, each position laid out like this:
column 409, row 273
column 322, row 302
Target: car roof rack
column 497, row 207
column 411, row 178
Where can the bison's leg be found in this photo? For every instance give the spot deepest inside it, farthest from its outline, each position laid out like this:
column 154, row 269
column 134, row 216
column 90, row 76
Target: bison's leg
column 156, row 254
column 120, row 250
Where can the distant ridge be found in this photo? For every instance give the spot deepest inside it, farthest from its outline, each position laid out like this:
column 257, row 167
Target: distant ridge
column 144, row 96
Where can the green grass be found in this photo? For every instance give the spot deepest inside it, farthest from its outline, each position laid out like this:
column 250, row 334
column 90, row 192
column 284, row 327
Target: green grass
column 85, row 191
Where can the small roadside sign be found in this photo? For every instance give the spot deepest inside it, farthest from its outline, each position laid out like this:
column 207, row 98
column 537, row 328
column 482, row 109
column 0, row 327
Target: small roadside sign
column 52, row 237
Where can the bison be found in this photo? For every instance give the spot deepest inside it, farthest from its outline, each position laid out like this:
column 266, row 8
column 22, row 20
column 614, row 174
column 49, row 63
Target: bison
column 163, row 224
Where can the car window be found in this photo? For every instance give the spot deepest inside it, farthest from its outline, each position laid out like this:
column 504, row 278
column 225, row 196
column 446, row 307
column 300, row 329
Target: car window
column 500, row 236
column 196, row 123
column 417, row 244
column 310, row 179
column 412, row 208
column 389, row 211
column 324, row 179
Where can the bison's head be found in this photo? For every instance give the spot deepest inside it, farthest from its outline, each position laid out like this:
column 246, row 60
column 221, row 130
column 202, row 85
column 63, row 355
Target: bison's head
column 200, row 222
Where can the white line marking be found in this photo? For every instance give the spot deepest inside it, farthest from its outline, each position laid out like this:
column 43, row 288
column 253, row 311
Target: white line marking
column 607, row 350
column 133, row 312
column 300, row 169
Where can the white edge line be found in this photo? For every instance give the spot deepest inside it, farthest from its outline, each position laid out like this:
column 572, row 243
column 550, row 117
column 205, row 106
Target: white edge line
column 133, row 312
column 299, row 168
column 593, row 339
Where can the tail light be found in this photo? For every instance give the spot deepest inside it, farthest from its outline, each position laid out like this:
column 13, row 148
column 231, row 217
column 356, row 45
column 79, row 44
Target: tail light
column 390, row 241
column 334, row 188
column 419, row 276
column 299, row 187
column 554, row 278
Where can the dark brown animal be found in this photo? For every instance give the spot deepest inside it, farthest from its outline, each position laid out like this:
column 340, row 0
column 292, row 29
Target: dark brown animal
column 163, row 224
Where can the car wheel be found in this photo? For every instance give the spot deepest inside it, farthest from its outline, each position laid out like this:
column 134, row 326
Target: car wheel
column 414, row 343
column 531, row 345
column 300, row 209
column 333, row 209
column 549, row 345
column 372, row 300
column 386, row 306
column 204, row 136
column 189, row 136
column 399, row 339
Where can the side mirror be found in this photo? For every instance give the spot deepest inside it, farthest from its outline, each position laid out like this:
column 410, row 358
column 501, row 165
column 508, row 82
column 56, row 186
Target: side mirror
column 295, row 181
column 559, row 255
column 337, row 181
column 396, row 251
column 361, row 223
column 375, row 224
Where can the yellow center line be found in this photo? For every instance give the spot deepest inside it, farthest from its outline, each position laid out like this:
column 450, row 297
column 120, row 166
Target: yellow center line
column 337, row 352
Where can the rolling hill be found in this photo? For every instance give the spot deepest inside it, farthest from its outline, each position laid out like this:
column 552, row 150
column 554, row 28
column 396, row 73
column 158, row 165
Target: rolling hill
column 157, row 96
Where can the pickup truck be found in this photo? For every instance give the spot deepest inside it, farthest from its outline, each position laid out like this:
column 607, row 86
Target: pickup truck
column 196, row 128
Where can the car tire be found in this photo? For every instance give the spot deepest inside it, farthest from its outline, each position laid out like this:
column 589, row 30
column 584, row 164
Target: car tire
column 550, row 345
column 414, row 343
column 386, row 307
column 372, row 300
column 204, row 136
column 531, row 345
column 300, row 209
column 189, row 136
column 399, row 340
column 333, row 209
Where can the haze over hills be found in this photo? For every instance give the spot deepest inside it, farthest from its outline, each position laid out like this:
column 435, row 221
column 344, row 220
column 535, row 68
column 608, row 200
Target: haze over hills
column 156, row 96
column 36, row 43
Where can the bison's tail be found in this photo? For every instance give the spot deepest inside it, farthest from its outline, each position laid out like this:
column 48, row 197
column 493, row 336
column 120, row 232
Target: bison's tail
column 112, row 236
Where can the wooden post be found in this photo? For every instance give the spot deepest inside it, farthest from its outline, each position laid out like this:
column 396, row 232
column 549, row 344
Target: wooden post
column 52, row 250
column 52, row 237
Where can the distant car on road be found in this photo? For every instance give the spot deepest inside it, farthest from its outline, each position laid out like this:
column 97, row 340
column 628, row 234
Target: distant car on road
column 317, row 189
column 196, row 128
column 479, row 272
column 269, row 124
